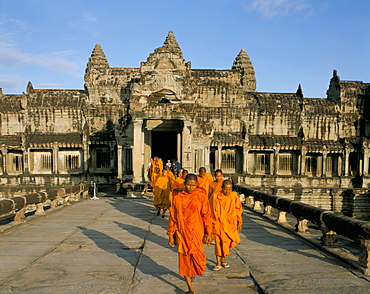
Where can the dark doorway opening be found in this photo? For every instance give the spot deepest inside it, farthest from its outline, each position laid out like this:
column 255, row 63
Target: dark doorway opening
column 164, row 145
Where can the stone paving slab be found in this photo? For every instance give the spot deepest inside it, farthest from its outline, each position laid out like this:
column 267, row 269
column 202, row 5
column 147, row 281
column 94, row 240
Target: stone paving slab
column 281, row 263
column 107, row 246
column 117, row 245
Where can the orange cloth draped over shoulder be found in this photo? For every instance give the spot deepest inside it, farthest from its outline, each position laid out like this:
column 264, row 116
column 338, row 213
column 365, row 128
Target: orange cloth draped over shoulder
column 154, row 177
column 215, row 187
column 179, row 183
column 171, row 175
column 162, row 191
column 203, row 182
column 155, row 163
column 226, row 211
column 190, row 216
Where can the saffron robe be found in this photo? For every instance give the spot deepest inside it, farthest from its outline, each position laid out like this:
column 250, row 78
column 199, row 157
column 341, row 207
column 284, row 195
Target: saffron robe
column 215, row 187
column 154, row 177
column 155, row 163
column 162, row 191
column 226, row 211
column 203, row 182
column 189, row 217
column 171, row 175
column 179, row 183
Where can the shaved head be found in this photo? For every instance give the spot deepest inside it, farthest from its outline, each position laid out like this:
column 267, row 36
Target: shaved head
column 191, row 177
column 226, row 183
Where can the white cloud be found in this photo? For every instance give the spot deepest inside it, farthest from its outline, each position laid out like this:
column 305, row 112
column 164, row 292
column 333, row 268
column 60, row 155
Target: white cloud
column 11, row 56
column 48, row 86
column 277, row 8
column 11, row 29
column 10, row 82
column 56, row 61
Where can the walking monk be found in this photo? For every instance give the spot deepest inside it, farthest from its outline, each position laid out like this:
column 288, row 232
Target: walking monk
column 216, row 185
column 162, row 191
column 190, row 217
column 204, row 179
column 226, row 210
column 179, row 184
column 156, row 167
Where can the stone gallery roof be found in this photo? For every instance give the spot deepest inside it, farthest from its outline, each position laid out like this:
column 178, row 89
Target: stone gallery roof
column 295, row 143
column 40, row 140
column 212, row 73
column 10, row 140
column 320, row 145
column 10, row 103
column 276, row 102
column 291, row 143
column 230, row 139
column 56, row 98
column 318, row 106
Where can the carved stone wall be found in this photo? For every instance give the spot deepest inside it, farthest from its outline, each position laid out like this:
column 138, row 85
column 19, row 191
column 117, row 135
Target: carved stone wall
column 217, row 118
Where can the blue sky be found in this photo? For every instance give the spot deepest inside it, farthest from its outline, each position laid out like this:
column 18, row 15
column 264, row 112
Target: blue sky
column 290, row 42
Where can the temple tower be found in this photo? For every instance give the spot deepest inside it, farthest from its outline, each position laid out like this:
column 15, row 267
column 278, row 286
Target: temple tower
column 244, row 67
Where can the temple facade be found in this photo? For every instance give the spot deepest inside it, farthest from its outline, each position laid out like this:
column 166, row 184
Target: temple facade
column 108, row 131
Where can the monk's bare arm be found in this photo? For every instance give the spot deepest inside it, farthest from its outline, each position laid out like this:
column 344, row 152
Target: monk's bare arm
column 239, row 212
column 172, row 227
column 207, row 219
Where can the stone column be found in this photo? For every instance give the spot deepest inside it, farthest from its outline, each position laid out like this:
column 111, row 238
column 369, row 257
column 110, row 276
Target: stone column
column 339, row 165
column 245, row 159
column 85, row 148
column 346, row 161
column 219, row 156
column 137, row 152
column 4, row 153
column 186, row 160
column 272, row 163
column 147, row 152
column 55, row 158
column 206, row 150
column 276, row 159
column 365, row 170
column 112, row 155
column 119, row 161
column 179, row 146
column 26, row 169
column 324, row 156
column 303, row 161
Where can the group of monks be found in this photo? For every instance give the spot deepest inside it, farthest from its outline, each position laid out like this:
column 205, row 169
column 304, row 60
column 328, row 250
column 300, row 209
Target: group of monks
column 202, row 209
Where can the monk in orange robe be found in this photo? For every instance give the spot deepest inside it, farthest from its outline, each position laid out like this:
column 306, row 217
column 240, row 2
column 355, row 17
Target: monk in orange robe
column 189, row 219
column 226, row 210
column 154, row 176
column 204, row 179
column 215, row 186
column 179, row 184
column 162, row 191
column 169, row 172
column 155, row 171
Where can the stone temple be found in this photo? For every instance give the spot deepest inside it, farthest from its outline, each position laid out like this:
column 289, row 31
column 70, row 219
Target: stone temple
column 312, row 150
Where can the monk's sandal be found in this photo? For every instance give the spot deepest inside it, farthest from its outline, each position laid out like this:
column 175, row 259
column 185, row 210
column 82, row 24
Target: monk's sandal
column 217, row 268
column 225, row 264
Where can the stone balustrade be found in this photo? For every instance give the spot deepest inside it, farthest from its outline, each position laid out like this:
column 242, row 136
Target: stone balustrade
column 330, row 223
column 18, row 206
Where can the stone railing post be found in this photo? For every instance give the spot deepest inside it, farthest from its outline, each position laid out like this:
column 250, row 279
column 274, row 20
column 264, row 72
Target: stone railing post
column 364, row 259
column 301, row 226
column 257, row 205
column 282, row 217
column 267, row 209
column 19, row 216
column 40, row 209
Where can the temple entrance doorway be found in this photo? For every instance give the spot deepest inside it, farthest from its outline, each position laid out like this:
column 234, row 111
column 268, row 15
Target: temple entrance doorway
column 164, row 145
